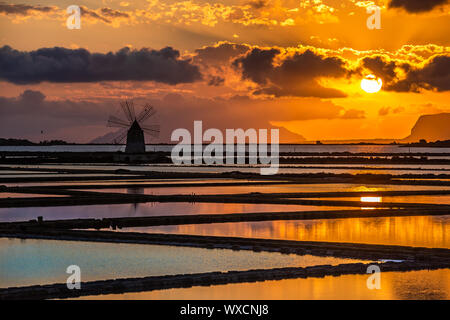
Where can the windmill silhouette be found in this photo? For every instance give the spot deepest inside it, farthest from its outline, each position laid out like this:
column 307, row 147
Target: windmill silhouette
column 134, row 127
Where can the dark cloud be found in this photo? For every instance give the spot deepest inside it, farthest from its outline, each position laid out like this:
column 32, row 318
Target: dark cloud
column 381, row 67
column 219, row 54
column 295, row 75
column 114, row 13
column 86, row 12
column 416, row 6
column 258, row 4
column 257, row 65
column 216, row 81
column 31, row 112
column 22, row 9
column 384, row 111
column 106, row 15
column 434, row 75
column 78, row 120
column 79, row 65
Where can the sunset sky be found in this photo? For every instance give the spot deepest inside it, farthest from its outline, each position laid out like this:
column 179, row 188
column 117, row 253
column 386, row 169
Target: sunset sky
column 231, row 63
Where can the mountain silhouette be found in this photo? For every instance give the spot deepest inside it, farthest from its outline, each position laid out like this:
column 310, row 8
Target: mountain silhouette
column 431, row 127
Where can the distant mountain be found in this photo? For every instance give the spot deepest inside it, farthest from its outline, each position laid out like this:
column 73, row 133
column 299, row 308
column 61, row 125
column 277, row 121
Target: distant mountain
column 430, row 127
column 106, row 138
column 286, row 136
column 24, row 142
column 15, row 142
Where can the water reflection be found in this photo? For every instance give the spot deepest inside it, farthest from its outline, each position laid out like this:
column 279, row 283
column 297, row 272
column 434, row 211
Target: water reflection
column 394, row 285
column 31, row 262
column 135, row 190
column 5, row 195
column 146, row 209
column 424, row 231
column 370, row 199
column 281, row 188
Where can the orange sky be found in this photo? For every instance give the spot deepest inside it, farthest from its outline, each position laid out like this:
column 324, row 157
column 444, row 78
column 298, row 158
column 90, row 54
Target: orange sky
column 237, row 63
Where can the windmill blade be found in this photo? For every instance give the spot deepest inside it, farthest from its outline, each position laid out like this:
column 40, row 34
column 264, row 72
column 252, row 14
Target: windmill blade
column 120, row 136
column 125, row 105
column 131, row 109
column 117, row 122
column 152, row 130
column 146, row 113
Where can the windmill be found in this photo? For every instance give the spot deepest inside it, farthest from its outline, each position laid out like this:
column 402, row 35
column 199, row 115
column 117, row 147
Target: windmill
column 134, row 127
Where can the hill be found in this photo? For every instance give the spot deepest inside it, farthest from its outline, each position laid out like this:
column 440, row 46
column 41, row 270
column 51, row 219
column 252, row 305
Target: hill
column 431, row 127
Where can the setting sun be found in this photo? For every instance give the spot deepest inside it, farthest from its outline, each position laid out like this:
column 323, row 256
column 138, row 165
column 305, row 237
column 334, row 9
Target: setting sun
column 371, row 84
column 370, row 199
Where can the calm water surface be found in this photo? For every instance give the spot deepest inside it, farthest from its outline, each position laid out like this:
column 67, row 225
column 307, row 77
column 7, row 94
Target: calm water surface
column 410, row 285
column 283, row 148
column 31, row 262
column 146, row 209
column 280, row 188
column 423, row 231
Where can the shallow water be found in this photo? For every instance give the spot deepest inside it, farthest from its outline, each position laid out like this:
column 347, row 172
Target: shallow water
column 394, row 286
column 124, row 181
column 31, row 262
column 5, row 195
column 59, row 175
column 441, row 199
column 283, row 148
column 280, row 188
column 423, row 231
column 146, row 209
column 299, row 169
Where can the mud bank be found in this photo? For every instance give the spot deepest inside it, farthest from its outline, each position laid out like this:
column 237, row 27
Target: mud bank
column 318, row 248
column 60, row 291
column 128, row 222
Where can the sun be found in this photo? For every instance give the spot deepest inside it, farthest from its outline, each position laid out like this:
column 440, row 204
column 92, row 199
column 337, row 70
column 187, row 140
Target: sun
column 371, row 84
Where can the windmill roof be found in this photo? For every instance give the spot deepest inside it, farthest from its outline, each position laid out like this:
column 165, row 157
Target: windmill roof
column 135, row 126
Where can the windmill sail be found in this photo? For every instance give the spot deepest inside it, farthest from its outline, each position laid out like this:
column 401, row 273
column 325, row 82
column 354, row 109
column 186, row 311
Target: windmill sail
column 133, row 128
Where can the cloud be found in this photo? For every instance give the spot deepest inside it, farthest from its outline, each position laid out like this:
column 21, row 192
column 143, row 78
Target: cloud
column 79, row 65
column 23, row 9
column 353, row 114
column 82, row 120
column 216, row 81
column 381, row 66
column 20, row 12
column 417, row 6
column 434, row 74
column 295, row 74
column 384, row 111
column 219, row 53
column 258, row 4
column 402, row 76
column 31, row 112
column 106, row 15
column 192, row 12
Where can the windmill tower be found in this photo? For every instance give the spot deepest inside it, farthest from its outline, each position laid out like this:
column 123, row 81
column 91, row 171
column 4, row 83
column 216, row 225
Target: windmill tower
column 134, row 127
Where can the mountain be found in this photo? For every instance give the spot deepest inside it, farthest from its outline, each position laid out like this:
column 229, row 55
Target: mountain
column 430, row 127
column 106, row 139
column 285, row 136
column 25, row 142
